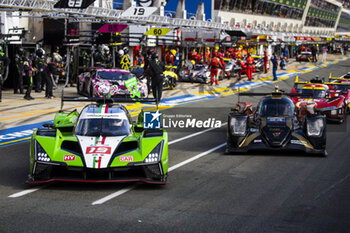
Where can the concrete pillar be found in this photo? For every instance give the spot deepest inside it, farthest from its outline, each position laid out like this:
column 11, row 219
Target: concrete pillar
column 180, row 10
column 303, row 19
column 200, row 12
column 158, row 4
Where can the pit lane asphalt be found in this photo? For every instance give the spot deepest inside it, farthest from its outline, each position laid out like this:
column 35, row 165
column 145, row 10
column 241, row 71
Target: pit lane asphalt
column 216, row 193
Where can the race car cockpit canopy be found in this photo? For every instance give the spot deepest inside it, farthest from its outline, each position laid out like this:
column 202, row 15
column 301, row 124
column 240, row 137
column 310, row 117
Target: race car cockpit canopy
column 103, row 120
column 272, row 107
column 114, row 75
column 318, row 91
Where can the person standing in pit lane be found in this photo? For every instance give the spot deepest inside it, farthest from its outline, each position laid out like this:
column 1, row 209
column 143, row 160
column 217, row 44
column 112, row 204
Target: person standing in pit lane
column 28, row 76
column 156, row 68
column 266, row 61
column 4, row 62
column 274, row 61
column 41, row 67
column 18, row 80
column 250, row 64
column 214, row 66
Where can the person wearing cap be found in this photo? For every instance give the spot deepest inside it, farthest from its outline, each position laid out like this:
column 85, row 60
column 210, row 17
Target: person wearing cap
column 156, row 69
column 250, row 64
column 214, row 66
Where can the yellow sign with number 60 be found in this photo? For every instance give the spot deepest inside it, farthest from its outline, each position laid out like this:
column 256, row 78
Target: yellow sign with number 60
column 157, row 31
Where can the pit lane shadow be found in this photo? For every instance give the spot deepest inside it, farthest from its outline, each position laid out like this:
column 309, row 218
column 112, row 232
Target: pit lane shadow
column 272, row 153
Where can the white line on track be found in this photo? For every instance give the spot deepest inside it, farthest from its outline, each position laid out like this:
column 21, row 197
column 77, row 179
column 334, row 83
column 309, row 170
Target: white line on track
column 193, row 135
column 176, row 166
column 113, row 195
column 24, row 192
column 172, row 168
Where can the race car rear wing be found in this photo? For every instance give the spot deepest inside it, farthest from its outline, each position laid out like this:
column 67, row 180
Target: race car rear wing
column 276, row 93
column 344, row 77
column 102, row 100
column 317, row 81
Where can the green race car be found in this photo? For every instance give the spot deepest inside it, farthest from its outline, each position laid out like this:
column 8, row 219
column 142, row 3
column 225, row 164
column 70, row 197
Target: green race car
column 101, row 144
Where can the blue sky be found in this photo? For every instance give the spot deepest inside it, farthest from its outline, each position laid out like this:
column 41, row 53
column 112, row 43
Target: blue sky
column 191, row 6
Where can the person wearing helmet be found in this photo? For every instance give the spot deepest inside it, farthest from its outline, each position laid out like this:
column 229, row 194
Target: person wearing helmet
column 28, row 75
column 250, row 66
column 98, row 57
column 169, row 58
column 18, row 81
column 42, row 75
column 146, row 67
column 56, row 56
column 214, row 65
column 177, row 58
column 139, row 60
column 125, row 62
column 156, row 69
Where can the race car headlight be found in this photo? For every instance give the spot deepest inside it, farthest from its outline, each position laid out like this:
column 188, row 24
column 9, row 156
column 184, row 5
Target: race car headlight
column 315, row 126
column 155, row 155
column 238, row 125
column 40, row 153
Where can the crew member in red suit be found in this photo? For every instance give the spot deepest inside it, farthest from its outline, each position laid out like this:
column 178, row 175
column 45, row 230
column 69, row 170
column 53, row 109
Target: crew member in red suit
column 215, row 64
column 207, row 55
column 266, row 61
column 192, row 54
column 250, row 64
column 221, row 57
column 169, row 58
column 243, row 69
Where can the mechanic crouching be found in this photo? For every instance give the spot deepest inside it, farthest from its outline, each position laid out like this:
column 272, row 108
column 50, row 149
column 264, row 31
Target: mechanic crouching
column 156, row 69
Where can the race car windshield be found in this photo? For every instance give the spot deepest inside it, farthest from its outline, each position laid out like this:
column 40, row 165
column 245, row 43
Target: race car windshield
column 317, row 94
column 102, row 127
column 114, row 75
column 198, row 67
column 276, row 107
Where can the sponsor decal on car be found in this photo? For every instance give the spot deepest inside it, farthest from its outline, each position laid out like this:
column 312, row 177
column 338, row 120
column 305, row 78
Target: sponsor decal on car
column 127, row 158
column 276, row 119
column 257, row 141
column 105, row 150
column 97, row 162
column 69, row 158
